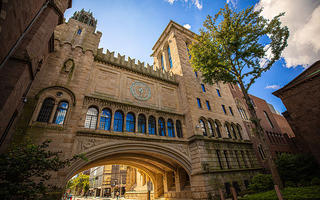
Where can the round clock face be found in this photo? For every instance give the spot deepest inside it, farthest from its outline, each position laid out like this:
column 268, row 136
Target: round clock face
column 140, row 91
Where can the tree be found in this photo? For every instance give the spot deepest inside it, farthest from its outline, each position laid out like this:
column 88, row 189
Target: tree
column 80, row 183
column 26, row 167
column 231, row 52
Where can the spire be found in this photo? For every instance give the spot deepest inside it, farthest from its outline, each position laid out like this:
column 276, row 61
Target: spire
column 85, row 17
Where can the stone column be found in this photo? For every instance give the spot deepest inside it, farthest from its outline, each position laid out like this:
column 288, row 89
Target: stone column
column 112, row 119
column 54, row 110
column 98, row 120
column 147, row 125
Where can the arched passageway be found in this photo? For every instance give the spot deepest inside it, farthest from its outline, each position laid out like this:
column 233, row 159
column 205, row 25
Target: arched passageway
column 167, row 168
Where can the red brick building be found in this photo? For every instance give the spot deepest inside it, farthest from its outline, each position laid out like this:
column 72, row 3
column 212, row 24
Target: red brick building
column 277, row 131
column 26, row 38
column 301, row 97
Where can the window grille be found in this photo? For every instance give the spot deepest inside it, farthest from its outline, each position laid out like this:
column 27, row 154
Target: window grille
column 105, row 120
column 171, row 132
column 118, row 122
column 141, row 124
column 203, row 128
column 91, row 118
column 46, row 110
column 130, row 122
column 228, row 131
column 162, row 130
column 217, row 129
column 210, row 129
column 152, row 125
column 179, row 129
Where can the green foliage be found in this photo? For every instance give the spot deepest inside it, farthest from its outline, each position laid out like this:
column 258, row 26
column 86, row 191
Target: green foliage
column 303, row 182
column 230, row 51
column 290, row 184
column 81, row 182
column 297, row 193
column 261, row 183
column 26, row 167
column 296, row 167
column 316, row 181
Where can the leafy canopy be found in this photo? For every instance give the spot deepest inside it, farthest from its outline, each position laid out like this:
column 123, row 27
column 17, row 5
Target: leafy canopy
column 231, row 50
column 26, row 167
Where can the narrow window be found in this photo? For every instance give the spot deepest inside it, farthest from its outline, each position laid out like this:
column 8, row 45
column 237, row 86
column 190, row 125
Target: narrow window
column 170, row 128
column 46, row 110
column 210, row 129
column 230, row 109
column 238, row 129
column 162, row 65
column 179, row 129
column 118, row 122
column 169, row 56
column 234, row 132
column 231, row 86
column 161, row 128
column 61, row 113
column 208, row 105
column 226, row 157
column 199, row 103
column 249, row 157
column 203, row 128
column 269, row 137
column 217, row 129
column 105, row 120
column 266, row 114
column 79, row 31
column 228, row 131
column 252, row 103
column 91, row 118
column 218, row 92
column 203, row 89
column 218, row 156
column 130, row 122
column 141, row 124
column 237, row 157
column 196, row 74
column 224, row 109
column 187, row 45
column 152, row 125
column 244, row 160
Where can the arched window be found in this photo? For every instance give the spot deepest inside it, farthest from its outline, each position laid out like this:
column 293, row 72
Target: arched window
column 118, row 122
column 234, row 132
column 162, row 65
column 203, row 128
column 152, row 125
column 161, row 127
column 239, row 132
column 217, row 129
column 170, row 125
column 61, row 112
column 46, row 110
column 169, row 56
column 91, row 118
column 141, row 124
column 210, row 129
column 228, row 131
column 179, row 129
column 105, row 120
column 130, row 122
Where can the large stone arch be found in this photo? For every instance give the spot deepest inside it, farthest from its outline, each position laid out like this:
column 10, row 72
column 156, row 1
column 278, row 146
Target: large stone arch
column 150, row 157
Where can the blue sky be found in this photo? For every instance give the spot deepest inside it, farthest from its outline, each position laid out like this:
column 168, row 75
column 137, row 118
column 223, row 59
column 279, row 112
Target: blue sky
column 131, row 28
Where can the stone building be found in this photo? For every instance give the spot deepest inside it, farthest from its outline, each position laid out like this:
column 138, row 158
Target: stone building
column 276, row 129
column 161, row 119
column 26, row 38
column 301, row 98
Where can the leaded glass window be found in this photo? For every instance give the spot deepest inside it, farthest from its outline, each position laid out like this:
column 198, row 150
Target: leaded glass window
column 210, row 129
column 171, row 132
column 217, row 129
column 179, row 129
column 239, row 132
column 130, row 122
column 118, row 122
column 152, row 125
column 91, row 118
column 46, row 110
column 161, row 127
column 169, row 56
column 234, row 132
column 61, row 113
column 203, row 128
column 228, row 131
column 141, row 124
column 105, row 120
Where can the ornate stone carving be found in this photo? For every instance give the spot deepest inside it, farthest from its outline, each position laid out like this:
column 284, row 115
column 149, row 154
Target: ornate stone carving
column 184, row 149
column 140, row 91
column 86, row 143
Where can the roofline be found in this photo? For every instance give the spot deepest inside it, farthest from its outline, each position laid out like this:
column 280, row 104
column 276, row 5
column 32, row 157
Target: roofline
column 296, row 80
column 166, row 30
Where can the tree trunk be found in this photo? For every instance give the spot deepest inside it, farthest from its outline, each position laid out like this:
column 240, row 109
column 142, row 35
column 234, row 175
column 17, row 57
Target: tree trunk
column 260, row 134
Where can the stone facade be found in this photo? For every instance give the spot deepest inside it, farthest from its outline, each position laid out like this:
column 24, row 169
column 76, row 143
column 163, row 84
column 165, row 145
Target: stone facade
column 276, row 128
column 301, row 98
column 26, row 38
column 147, row 117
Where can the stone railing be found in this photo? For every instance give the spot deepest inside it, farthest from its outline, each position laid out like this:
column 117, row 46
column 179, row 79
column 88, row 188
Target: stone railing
column 130, row 64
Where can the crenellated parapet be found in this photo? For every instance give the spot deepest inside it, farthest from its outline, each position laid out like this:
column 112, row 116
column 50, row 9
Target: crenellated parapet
column 131, row 65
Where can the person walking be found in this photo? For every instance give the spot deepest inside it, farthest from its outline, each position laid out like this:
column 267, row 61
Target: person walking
column 117, row 195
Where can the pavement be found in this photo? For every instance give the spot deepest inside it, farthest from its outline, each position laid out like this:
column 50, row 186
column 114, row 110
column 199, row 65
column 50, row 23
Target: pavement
column 99, row 198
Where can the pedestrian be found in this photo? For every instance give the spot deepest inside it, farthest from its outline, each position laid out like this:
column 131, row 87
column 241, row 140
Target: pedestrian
column 117, row 195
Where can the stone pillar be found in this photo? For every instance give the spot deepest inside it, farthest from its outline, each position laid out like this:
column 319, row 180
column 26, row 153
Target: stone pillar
column 124, row 123
column 98, row 120
column 168, row 181
column 147, row 125
column 54, row 110
column 112, row 119
column 180, row 179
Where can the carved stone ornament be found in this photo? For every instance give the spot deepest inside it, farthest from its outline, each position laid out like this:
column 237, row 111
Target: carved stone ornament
column 140, row 91
column 184, row 149
column 85, row 143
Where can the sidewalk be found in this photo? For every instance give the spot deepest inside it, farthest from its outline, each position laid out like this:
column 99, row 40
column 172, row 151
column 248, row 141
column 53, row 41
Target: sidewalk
column 99, row 198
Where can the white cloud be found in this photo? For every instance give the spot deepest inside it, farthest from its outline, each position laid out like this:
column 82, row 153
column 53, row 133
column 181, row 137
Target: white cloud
column 233, row 2
column 170, row 1
column 187, row 26
column 197, row 3
column 272, row 87
column 302, row 19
